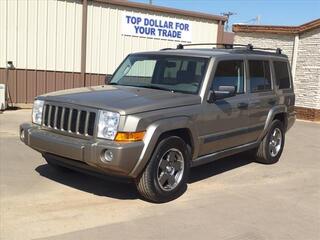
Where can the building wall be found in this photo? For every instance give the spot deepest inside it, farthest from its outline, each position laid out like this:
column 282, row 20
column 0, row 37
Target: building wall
column 106, row 46
column 46, row 35
column 307, row 78
column 307, row 74
column 41, row 35
column 267, row 40
column 43, row 40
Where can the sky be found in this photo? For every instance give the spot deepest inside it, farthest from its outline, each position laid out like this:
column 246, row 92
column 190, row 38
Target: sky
column 270, row 12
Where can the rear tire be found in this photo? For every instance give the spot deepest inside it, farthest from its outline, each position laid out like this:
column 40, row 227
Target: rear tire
column 271, row 147
column 165, row 177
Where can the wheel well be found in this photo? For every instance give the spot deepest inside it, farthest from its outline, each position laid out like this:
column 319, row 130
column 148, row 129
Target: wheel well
column 281, row 117
column 183, row 133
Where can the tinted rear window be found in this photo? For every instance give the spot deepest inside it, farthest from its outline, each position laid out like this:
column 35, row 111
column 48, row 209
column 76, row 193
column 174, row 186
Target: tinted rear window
column 259, row 72
column 282, row 74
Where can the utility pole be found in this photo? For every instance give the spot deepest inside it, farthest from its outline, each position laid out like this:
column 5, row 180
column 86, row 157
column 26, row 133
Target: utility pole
column 255, row 20
column 258, row 19
column 228, row 14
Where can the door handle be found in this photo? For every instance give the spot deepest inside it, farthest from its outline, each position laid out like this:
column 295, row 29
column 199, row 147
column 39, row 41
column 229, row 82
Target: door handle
column 243, row 105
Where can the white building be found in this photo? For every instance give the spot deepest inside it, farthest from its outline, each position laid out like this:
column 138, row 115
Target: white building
column 302, row 45
column 58, row 44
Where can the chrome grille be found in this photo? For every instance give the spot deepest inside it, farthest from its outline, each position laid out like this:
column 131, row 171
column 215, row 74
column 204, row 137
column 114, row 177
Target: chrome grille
column 69, row 119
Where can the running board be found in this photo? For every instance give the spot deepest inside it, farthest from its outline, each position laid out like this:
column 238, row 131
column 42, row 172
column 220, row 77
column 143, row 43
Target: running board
column 224, row 153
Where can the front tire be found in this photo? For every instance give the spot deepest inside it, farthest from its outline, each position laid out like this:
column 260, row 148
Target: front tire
column 271, row 147
column 165, row 177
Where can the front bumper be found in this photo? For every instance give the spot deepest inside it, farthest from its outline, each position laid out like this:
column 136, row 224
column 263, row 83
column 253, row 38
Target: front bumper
column 90, row 152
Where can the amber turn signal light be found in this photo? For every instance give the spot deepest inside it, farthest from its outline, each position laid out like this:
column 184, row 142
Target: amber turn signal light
column 129, row 136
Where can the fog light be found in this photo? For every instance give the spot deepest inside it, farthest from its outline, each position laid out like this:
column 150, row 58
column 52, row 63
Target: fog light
column 107, row 156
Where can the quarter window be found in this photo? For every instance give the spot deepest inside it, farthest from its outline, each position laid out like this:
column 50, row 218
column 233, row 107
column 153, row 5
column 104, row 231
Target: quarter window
column 260, row 79
column 229, row 73
column 282, row 74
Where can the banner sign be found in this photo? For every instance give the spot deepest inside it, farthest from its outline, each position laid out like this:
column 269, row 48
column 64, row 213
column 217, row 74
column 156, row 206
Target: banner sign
column 142, row 25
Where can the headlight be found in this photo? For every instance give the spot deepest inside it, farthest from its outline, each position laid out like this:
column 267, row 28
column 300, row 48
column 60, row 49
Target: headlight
column 37, row 111
column 108, row 124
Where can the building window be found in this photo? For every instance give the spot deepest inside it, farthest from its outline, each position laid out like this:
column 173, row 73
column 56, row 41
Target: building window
column 260, row 77
column 282, row 74
column 229, row 73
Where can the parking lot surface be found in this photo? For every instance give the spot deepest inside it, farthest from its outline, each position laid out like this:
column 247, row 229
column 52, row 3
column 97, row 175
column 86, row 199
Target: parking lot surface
column 230, row 199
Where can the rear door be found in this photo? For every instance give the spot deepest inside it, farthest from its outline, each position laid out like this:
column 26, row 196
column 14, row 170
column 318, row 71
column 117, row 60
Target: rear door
column 225, row 121
column 262, row 95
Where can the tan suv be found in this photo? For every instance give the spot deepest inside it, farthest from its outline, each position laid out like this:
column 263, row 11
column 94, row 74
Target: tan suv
column 166, row 111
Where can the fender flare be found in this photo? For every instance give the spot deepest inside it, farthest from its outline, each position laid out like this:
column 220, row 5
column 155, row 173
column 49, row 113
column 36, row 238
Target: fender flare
column 153, row 133
column 272, row 113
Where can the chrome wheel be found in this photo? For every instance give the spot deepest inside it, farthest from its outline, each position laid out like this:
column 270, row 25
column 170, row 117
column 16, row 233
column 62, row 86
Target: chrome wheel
column 170, row 169
column 275, row 142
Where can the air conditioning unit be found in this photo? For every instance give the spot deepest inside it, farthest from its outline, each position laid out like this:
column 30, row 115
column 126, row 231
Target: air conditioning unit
column 3, row 102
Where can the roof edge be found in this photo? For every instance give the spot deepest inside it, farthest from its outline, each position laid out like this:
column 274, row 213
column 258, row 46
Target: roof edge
column 277, row 29
column 167, row 10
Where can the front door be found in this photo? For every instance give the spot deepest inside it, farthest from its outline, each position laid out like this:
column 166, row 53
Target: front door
column 225, row 121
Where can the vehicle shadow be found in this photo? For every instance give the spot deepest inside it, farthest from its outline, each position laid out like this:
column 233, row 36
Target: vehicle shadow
column 219, row 166
column 123, row 190
column 88, row 183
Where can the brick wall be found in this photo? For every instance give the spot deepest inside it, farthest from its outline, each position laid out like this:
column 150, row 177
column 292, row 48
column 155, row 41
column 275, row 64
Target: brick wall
column 311, row 114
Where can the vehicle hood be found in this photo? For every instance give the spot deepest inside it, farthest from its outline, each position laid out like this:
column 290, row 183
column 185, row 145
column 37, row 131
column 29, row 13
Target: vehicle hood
column 122, row 99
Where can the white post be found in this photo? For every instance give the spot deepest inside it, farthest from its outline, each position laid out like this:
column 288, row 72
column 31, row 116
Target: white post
column 295, row 55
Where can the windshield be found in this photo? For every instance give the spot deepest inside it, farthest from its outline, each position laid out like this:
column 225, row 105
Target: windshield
column 169, row 73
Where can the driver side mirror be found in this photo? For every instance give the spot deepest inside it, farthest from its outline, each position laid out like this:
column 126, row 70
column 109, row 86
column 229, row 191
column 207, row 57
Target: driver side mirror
column 223, row 92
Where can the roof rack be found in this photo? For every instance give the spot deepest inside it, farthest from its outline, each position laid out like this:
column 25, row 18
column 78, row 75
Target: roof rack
column 224, row 45
column 278, row 50
column 229, row 46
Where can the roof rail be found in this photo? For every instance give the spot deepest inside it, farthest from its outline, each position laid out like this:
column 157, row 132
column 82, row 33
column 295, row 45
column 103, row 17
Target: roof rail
column 278, row 50
column 224, row 45
column 229, row 46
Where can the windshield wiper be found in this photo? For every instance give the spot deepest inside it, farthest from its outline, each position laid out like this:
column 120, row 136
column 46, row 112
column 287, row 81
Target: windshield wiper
column 145, row 86
column 157, row 87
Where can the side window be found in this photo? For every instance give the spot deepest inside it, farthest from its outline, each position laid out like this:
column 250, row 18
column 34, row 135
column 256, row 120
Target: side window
column 229, row 73
column 259, row 75
column 281, row 71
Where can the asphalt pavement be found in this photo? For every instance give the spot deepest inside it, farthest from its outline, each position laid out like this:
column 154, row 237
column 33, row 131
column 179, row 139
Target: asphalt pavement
column 230, row 199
